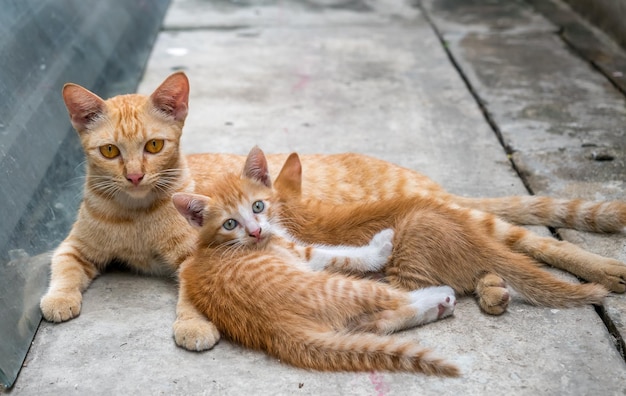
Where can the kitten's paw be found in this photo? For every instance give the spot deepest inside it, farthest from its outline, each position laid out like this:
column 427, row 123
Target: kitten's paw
column 197, row 334
column 612, row 276
column 383, row 238
column 433, row 303
column 382, row 246
column 61, row 306
column 493, row 297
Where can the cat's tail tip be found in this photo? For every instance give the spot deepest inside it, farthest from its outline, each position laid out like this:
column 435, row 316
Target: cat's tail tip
column 333, row 351
column 438, row 367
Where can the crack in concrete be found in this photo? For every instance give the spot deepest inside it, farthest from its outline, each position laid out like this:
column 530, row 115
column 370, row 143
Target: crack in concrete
column 616, row 337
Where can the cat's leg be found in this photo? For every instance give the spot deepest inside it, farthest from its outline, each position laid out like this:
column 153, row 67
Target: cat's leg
column 192, row 329
column 421, row 307
column 353, row 259
column 592, row 267
column 493, row 296
column 71, row 274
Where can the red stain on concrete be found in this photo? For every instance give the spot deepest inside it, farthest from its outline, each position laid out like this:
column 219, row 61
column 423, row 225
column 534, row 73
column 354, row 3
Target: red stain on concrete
column 301, row 84
column 378, row 381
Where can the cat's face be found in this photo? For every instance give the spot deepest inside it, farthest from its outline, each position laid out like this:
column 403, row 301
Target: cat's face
column 131, row 141
column 132, row 150
column 242, row 219
column 240, row 210
column 238, row 213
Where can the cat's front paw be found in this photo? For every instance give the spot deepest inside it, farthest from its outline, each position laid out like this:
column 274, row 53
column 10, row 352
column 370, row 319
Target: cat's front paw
column 60, row 306
column 197, row 334
column 382, row 246
column 433, row 303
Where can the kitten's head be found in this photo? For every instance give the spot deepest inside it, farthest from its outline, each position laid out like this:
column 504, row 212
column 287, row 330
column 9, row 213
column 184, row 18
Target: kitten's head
column 239, row 212
column 131, row 141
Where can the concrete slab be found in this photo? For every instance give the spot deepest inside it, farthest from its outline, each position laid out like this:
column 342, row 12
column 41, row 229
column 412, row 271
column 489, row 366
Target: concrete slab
column 121, row 344
column 562, row 119
column 356, row 89
column 382, row 88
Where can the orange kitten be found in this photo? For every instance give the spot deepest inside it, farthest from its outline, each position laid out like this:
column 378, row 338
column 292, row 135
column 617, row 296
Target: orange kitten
column 436, row 243
column 261, row 288
column 134, row 165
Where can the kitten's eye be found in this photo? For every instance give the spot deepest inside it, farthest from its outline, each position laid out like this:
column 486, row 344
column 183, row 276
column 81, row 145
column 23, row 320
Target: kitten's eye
column 230, row 224
column 258, row 206
column 154, row 145
column 109, row 151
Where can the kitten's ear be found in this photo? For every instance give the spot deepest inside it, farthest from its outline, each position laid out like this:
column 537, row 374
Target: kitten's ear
column 84, row 106
column 191, row 206
column 172, row 96
column 256, row 167
column 289, row 180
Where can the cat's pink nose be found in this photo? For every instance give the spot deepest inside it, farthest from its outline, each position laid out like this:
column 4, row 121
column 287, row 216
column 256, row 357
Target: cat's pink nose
column 256, row 234
column 135, row 178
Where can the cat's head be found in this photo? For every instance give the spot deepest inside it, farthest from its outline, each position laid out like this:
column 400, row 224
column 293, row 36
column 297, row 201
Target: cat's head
column 131, row 141
column 239, row 211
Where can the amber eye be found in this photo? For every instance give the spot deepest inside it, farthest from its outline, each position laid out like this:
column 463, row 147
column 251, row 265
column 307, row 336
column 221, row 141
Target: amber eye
column 109, row 151
column 154, row 146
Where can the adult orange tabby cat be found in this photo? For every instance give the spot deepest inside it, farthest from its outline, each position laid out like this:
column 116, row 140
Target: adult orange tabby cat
column 134, row 165
column 266, row 291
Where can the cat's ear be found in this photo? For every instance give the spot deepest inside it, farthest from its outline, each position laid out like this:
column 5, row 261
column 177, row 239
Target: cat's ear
column 85, row 107
column 289, row 180
column 256, row 167
column 172, row 96
column 192, row 207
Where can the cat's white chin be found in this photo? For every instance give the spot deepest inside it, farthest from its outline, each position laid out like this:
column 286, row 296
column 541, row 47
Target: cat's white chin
column 261, row 242
column 138, row 193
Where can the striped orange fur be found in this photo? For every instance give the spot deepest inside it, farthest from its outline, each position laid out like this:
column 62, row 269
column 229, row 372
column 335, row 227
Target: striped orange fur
column 137, row 224
column 439, row 243
column 256, row 286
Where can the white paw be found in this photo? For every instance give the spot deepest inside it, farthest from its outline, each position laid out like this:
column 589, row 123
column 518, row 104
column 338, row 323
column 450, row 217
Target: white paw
column 382, row 246
column 433, row 303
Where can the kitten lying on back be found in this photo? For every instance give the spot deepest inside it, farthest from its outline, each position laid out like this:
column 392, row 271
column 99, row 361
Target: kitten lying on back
column 438, row 243
column 259, row 288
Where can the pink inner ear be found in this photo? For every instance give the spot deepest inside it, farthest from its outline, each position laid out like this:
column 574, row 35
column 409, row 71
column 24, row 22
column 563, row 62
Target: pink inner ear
column 256, row 167
column 191, row 206
column 172, row 96
column 83, row 106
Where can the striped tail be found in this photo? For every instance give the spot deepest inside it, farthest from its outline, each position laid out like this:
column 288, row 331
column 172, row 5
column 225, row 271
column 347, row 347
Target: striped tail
column 577, row 214
column 333, row 351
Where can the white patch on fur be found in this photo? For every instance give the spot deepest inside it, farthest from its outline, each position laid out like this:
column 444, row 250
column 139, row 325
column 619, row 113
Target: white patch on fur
column 433, row 303
column 369, row 258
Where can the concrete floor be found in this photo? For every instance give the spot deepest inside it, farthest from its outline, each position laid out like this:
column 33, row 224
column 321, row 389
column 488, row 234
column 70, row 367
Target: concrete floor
column 371, row 77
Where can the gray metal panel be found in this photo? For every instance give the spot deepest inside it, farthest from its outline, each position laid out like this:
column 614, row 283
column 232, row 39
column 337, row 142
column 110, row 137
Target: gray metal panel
column 100, row 45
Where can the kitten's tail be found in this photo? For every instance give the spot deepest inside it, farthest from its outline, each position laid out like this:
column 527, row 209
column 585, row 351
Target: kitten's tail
column 334, row 351
column 581, row 215
column 539, row 287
